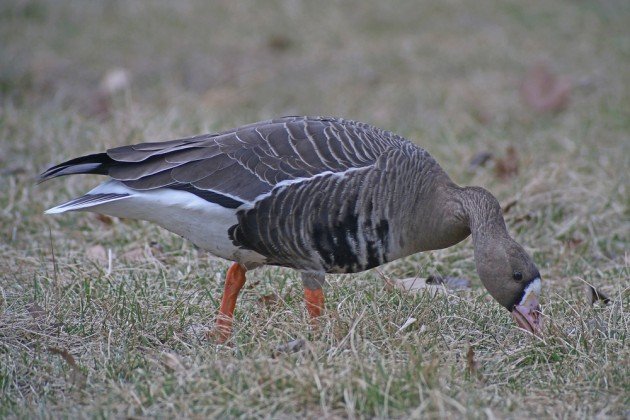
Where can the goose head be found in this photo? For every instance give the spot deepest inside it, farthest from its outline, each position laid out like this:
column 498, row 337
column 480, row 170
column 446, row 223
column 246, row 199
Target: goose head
column 511, row 277
column 506, row 270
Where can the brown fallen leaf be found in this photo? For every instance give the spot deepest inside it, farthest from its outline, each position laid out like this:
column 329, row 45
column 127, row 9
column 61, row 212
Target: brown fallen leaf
column 268, row 300
column 65, row 355
column 507, row 167
column 411, row 285
column 544, row 91
column 479, row 160
column 471, row 364
column 223, row 96
column 573, row 242
column 35, row 311
column 134, row 254
column 279, row 42
column 291, row 347
column 172, row 362
column 453, row 283
column 114, row 81
column 522, row 218
column 97, row 253
column 596, row 295
column 77, row 377
column 39, row 316
column 13, row 170
column 480, row 113
column 106, row 220
column 432, row 284
column 156, row 248
column 508, row 206
column 249, row 285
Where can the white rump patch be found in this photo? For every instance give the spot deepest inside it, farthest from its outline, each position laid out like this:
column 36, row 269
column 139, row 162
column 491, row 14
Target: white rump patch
column 203, row 223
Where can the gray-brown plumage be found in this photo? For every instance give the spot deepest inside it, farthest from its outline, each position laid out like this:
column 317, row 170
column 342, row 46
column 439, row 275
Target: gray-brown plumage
column 321, row 195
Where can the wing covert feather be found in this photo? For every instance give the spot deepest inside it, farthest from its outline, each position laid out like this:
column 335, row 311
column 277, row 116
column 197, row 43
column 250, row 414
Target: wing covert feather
column 249, row 161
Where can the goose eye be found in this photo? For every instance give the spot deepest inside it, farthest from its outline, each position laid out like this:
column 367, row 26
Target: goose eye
column 517, row 275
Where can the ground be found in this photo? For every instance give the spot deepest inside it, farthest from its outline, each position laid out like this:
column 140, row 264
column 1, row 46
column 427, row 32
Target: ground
column 102, row 317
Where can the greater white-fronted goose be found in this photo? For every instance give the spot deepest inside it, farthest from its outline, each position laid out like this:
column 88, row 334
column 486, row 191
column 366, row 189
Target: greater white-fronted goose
column 320, row 195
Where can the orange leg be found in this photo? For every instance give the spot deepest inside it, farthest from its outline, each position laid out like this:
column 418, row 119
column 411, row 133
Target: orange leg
column 314, row 299
column 234, row 281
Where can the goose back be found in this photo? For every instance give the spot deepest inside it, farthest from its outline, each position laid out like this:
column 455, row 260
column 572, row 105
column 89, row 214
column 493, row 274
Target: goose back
column 247, row 162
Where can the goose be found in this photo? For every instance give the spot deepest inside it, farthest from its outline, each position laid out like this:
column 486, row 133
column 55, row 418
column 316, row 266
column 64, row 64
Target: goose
column 316, row 194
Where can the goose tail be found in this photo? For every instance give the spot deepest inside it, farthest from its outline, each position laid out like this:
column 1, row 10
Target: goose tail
column 105, row 193
column 85, row 202
column 98, row 163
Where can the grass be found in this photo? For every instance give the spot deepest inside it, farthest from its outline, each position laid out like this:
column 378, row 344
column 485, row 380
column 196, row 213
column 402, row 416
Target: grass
column 83, row 337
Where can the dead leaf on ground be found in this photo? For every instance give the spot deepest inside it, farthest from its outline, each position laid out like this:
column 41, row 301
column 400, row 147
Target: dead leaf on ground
column 134, row 254
column 200, row 332
column 249, row 285
column 479, row 160
column 480, row 113
column 39, row 315
column 507, row 166
column 13, row 170
column 106, row 220
column 596, row 295
column 97, row 253
column 144, row 253
column 172, row 362
column 65, row 355
column 279, row 42
column 544, row 91
column 508, row 206
column 100, row 102
column 522, row 218
column 114, row 81
column 291, row 347
column 433, row 284
column 453, row 283
column 573, row 242
column 407, row 323
column 35, row 311
column 156, row 248
column 77, row 377
column 223, row 97
column 471, row 364
column 268, row 300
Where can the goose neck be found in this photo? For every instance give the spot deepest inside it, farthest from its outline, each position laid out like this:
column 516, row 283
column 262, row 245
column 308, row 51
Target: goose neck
column 484, row 214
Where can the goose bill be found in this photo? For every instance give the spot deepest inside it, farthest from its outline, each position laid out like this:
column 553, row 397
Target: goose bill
column 527, row 312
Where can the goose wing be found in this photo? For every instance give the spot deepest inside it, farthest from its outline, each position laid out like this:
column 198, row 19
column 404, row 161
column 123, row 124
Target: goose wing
column 237, row 166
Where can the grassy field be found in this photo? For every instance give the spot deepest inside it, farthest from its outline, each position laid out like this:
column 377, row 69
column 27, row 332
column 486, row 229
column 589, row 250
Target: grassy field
column 107, row 318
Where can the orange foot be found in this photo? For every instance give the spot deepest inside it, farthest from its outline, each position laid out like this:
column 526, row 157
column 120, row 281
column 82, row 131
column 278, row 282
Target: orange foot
column 234, row 281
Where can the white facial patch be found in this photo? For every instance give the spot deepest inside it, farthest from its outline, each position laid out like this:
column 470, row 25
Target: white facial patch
column 531, row 291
